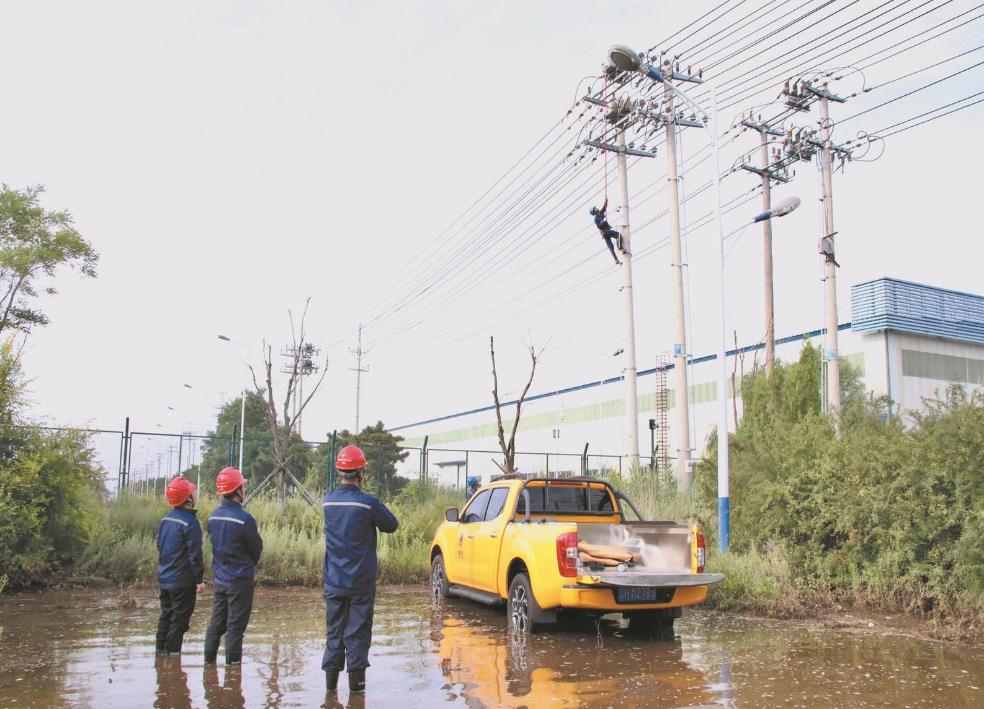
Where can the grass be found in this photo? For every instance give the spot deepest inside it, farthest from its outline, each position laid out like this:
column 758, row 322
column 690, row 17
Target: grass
column 124, row 549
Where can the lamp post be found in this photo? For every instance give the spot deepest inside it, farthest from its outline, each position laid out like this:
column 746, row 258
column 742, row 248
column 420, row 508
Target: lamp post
column 204, row 394
column 625, row 59
column 781, row 209
column 242, row 406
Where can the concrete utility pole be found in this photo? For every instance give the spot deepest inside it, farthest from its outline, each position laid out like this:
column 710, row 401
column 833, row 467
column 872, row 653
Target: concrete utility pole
column 631, row 387
column 768, row 174
column 803, row 145
column 831, row 353
column 617, row 116
column 681, row 427
column 300, row 364
column 358, row 369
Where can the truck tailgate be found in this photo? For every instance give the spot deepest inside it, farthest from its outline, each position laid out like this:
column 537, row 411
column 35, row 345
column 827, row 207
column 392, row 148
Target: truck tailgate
column 648, row 579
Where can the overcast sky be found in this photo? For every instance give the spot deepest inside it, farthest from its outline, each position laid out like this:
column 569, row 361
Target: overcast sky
column 230, row 159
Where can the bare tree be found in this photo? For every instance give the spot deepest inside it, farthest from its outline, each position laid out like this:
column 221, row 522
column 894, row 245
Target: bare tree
column 282, row 431
column 509, row 449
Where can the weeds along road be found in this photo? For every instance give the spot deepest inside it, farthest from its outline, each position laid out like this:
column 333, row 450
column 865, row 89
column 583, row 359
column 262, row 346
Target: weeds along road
column 83, row 648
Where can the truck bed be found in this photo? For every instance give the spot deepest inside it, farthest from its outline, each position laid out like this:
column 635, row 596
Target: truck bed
column 663, row 549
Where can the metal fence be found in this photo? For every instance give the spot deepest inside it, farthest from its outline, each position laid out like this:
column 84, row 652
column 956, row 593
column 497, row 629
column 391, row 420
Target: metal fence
column 143, row 461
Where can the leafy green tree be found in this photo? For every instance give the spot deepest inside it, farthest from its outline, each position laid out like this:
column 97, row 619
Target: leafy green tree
column 888, row 513
column 34, row 242
column 258, row 452
column 383, row 452
column 50, row 489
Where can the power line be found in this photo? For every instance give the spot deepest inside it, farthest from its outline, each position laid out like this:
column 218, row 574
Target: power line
column 914, row 91
column 922, row 70
column 880, row 134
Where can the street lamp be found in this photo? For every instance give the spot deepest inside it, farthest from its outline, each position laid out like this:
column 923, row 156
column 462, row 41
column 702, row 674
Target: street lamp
column 781, row 209
column 204, row 432
column 242, row 409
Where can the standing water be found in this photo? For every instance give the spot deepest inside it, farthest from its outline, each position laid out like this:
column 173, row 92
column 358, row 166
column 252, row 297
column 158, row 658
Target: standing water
column 87, row 649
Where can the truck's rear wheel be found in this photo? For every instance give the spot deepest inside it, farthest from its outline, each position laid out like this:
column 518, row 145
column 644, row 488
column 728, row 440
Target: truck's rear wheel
column 520, row 605
column 439, row 579
column 656, row 624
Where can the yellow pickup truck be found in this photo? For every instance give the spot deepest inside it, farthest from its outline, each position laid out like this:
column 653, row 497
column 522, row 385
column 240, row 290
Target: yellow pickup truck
column 546, row 546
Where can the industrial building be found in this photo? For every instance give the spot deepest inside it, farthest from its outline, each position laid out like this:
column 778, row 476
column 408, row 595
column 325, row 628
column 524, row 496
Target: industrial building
column 906, row 340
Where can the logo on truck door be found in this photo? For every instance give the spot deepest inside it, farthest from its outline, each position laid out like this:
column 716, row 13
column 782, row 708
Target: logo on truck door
column 461, row 550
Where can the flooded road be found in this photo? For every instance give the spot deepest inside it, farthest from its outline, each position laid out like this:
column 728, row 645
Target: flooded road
column 90, row 649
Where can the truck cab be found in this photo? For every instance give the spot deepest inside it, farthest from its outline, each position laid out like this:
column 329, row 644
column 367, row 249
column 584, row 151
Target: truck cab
column 544, row 546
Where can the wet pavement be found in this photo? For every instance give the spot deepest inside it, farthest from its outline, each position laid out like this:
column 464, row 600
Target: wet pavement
column 96, row 649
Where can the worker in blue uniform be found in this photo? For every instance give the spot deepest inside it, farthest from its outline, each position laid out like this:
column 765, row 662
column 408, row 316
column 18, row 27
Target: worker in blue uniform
column 351, row 520
column 473, row 485
column 610, row 236
column 236, row 549
column 180, row 569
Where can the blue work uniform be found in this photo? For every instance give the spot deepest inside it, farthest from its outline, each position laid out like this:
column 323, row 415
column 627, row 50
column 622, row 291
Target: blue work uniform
column 607, row 233
column 179, row 570
column 236, row 549
column 351, row 520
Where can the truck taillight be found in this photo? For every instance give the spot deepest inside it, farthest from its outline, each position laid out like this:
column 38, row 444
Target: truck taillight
column 698, row 550
column 567, row 554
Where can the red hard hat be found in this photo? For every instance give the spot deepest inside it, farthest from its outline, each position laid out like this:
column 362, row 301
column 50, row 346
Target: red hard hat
column 229, row 480
column 179, row 490
column 350, row 458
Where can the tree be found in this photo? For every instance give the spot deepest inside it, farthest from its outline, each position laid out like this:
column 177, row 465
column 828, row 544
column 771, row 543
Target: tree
column 382, row 450
column 509, row 449
column 50, row 489
column 34, row 242
column 300, row 364
column 220, row 448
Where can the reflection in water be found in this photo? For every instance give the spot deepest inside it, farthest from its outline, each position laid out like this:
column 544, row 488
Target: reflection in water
column 80, row 649
column 228, row 694
column 566, row 666
column 172, row 684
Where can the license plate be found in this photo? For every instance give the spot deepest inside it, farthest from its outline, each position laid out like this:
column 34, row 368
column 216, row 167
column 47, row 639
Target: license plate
column 643, row 594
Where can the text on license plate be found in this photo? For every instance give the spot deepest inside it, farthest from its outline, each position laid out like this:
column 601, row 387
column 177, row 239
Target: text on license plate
column 643, row 594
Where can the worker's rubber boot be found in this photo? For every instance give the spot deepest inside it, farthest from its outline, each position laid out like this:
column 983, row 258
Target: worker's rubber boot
column 357, row 681
column 331, row 680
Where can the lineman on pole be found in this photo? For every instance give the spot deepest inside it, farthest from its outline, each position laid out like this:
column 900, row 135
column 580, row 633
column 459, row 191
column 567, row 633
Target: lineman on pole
column 607, row 233
column 351, row 520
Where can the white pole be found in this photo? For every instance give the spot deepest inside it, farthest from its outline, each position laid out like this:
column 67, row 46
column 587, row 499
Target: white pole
column 681, row 425
column 770, row 317
column 631, row 385
column 242, row 429
column 830, row 268
column 723, row 462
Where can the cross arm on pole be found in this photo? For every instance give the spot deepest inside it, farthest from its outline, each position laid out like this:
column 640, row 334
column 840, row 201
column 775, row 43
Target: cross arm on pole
column 771, row 174
column 617, row 149
column 762, row 127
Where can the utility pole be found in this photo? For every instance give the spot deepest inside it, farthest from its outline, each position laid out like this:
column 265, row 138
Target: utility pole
column 358, row 369
column 631, row 387
column 804, row 145
column 300, row 364
column 768, row 172
column 617, row 117
column 831, row 353
column 681, row 385
column 681, row 427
